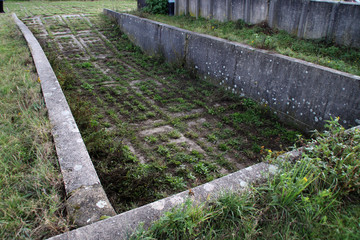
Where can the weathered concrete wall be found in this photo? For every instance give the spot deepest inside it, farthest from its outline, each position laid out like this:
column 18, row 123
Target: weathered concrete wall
column 238, row 10
column 310, row 19
column 303, row 92
column 285, row 15
column 219, row 10
column 205, row 8
column 346, row 29
column 257, row 11
column 316, row 24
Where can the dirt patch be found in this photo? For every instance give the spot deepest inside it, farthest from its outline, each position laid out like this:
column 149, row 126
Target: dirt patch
column 151, row 129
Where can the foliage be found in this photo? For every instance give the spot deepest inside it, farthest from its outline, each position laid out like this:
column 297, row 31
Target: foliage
column 156, row 6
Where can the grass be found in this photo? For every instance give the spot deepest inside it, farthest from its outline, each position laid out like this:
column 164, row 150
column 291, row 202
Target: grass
column 50, row 8
column 31, row 203
column 317, row 197
column 324, row 53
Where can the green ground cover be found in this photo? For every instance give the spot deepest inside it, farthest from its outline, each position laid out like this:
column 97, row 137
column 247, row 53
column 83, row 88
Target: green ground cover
column 315, row 198
column 153, row 129
column 50, row 8
column 31, row 190
column 261, row 36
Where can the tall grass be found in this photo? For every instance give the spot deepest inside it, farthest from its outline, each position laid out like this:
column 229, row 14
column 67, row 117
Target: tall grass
column 315, row 198
column 31, row 202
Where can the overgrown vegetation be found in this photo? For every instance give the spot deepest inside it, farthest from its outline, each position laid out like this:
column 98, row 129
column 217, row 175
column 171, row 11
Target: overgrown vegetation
column 317, row 197
column 31, row 190
column 262, row 36
column 152, row 129
column 156, row 6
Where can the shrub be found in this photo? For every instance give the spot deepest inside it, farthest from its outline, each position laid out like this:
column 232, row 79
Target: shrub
column 156, row 6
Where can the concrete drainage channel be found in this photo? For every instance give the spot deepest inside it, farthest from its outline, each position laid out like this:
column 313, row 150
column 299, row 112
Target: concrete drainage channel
column 87, row 202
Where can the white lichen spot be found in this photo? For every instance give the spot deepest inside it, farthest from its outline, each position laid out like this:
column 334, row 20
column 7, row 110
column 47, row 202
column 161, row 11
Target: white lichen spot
column 64, row 113
column 243, row 183
column 159, row 205
column 176, row 200
column 316, row 119
column 101, row 204
column 208, row 187
column 78, row 167
column 272, row 169
column 343, row 89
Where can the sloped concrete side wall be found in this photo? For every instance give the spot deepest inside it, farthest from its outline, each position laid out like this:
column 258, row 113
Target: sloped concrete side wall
column 310, row 19
column 302, row 92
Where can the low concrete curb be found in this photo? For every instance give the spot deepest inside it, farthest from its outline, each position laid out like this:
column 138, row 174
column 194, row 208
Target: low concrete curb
column 87, row 201
column 122, row 225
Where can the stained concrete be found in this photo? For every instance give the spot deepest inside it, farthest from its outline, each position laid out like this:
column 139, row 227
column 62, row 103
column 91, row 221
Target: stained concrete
column 87, row 201
column 299, row 92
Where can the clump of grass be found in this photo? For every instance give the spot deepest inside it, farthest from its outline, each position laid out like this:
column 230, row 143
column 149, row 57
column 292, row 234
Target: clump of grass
column 317, row 197
column 31, row 203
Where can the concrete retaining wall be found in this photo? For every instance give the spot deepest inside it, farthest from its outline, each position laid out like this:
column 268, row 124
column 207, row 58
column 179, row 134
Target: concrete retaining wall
column 310, row 19
column 304, row 93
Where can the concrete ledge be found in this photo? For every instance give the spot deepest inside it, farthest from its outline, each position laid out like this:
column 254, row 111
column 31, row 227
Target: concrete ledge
column 122, row 225
column 300, row 92
column 87, row 201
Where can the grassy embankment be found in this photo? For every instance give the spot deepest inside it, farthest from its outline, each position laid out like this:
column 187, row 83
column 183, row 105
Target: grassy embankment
column 261, row 36
column 31, row 203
